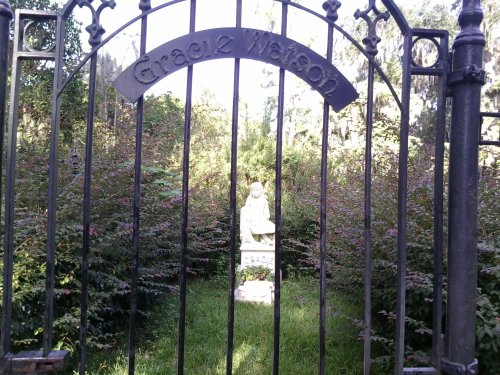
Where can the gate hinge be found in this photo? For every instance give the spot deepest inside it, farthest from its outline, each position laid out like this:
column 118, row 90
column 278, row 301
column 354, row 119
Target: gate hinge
column 453, row 368
column 469, row 73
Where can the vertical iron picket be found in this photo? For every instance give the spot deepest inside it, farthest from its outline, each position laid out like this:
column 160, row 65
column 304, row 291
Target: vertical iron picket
column 331, row 8
column 370, row 42
column 277, row 202
column 402, row 209
column 95, row 32
column 86, row 216
column 233, row 218
column 185, row 201
column 368, row 223
column 323, row 220
column 437, row 300
column 5, row 18
column 10, row 176
column 143, row 6
column 52, row 190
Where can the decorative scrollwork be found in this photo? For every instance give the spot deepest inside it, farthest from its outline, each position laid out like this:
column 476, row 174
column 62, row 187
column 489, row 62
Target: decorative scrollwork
column 95, row 29
column 144, row 5
column 372, row 39
column 331, row 7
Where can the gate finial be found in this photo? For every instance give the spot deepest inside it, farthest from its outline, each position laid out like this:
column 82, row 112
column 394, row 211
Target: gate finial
column 144, row 5
column 372, row 39
column 331, row 7
column 95, row 29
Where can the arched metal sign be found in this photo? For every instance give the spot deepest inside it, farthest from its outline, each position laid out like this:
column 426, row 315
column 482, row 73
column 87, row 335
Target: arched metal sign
column 242, row 43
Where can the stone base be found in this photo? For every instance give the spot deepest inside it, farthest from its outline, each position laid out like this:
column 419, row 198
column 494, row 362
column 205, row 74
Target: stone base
column 257, row 255
column 256, row 291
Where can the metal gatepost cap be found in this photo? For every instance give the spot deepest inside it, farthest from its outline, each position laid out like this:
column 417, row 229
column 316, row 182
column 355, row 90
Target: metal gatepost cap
column 5, row 9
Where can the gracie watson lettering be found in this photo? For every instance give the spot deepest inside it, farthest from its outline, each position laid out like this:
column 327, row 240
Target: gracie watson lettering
column 238, row 43
column 148, row 70
column 291, row 56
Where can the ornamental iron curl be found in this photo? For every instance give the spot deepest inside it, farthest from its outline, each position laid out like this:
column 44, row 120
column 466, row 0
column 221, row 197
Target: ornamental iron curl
column 95, row 29
column 331, row 7
column 372, row 39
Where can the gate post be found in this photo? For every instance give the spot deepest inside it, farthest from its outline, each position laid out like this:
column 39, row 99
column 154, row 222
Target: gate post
column 5, row 18
column 465, row 80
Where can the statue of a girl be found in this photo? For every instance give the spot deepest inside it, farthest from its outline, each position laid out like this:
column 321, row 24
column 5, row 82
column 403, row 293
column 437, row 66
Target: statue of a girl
column 255, row 225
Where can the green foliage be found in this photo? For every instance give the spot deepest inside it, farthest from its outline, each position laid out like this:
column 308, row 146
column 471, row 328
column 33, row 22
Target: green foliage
column 253, row 273
column 488, row 322
column 163, row 116
column 111, row 248
column 346, row 256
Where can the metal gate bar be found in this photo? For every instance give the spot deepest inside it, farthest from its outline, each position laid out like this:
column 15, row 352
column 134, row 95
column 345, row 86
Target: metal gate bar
column 232, row 198
column 402, row 210
column 52, row 189
column 371, row 49
column 144, row 7
column 95, row 32
column 323, row 219
column 331, row 9
column 441, row 71
column 277, row 201
column 185, row 200
column 5, row 18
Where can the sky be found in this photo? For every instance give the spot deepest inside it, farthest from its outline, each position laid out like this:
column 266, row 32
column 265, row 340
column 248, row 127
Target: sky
column 214, row 76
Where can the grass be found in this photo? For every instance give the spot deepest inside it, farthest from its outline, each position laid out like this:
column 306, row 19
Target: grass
column 205, row 348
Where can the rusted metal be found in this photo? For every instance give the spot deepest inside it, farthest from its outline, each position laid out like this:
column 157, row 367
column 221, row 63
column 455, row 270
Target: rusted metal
column 36, row 363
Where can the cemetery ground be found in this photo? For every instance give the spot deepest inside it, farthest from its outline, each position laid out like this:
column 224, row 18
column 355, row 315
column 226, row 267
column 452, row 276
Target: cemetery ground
column 206, row 334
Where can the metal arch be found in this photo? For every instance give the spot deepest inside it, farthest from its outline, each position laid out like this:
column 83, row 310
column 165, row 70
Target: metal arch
column 348, row 36
column 392, row 8
column 242, row 43
column 398, row 16
column 106, row 40
column 389, row 4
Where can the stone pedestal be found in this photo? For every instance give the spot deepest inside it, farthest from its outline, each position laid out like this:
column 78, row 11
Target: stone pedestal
column 257, row 291
column 257, row 254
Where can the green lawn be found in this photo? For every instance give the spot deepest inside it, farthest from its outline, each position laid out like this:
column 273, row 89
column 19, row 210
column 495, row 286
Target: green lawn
column 253, row 344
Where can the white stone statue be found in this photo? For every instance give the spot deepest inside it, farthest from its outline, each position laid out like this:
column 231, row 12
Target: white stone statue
column 255, row 226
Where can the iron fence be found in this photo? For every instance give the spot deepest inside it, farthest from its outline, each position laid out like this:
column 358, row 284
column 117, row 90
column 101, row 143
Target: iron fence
column 462, row 77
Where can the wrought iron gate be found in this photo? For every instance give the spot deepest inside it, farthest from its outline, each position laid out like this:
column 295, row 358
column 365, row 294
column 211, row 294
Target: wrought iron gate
column 461, row 79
